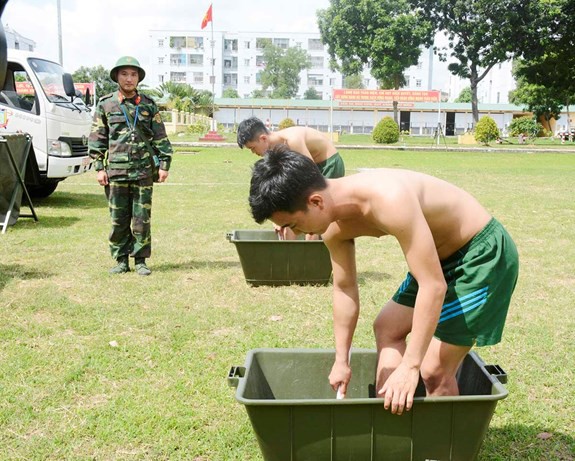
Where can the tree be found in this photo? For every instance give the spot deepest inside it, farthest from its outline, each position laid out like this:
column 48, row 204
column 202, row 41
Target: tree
column 282, row 69
column 98, row 75
column 311, row 93
column 230, row 93
column 544, row 101
column 354, row 82
column 465, row 95
column 486, row 130
column 547, row 50
column 383, row 34
column 481, row 34
column 181, row 96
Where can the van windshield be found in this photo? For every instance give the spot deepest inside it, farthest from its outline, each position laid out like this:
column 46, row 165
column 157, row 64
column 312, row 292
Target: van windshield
column 50, row 76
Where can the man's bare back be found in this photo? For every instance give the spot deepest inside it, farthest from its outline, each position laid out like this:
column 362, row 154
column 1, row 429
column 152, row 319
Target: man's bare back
column 376, row 200
column 305, row 140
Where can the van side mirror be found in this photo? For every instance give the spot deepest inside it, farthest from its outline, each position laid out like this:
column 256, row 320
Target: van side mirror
column 69, row 87
column 88, row 98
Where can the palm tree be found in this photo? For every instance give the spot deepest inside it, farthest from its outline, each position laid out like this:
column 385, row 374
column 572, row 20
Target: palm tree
column 181, row 96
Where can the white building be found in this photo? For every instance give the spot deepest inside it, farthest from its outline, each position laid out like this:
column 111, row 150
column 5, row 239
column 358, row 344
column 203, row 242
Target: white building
column 186, row 56
column 18, row 42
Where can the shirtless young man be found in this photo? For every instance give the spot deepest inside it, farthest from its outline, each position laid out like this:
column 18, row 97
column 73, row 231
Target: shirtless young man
column 463, row 266
column 254, row 135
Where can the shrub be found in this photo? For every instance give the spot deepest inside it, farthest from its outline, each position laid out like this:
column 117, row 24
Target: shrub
column 386, row 131
column 526, row 125
column 198, row 127
column 486, row 130
column 285, row 123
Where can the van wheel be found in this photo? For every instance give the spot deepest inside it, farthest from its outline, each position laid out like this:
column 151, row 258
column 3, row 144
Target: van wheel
column 43, row 190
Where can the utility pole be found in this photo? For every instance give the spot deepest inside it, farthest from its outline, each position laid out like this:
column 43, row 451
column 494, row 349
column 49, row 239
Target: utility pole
column 60, row 32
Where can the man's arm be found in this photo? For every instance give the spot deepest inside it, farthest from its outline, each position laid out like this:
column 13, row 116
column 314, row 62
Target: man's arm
column 416, row 240
column 98, row 143
column 345, row 309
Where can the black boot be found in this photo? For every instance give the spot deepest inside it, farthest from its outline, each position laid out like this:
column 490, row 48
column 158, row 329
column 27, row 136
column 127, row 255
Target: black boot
column 122, row 267
column 141, row 267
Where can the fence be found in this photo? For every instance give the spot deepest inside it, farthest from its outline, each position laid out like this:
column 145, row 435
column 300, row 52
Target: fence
column 177, row 121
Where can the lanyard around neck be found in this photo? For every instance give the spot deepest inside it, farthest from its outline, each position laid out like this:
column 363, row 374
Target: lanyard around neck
column 131, row 126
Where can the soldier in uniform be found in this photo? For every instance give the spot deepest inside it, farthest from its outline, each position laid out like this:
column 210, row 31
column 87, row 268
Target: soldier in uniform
column 128, row 139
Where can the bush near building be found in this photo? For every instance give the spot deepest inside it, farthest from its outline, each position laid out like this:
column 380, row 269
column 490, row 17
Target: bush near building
column 386, row 131
column 486, row 130
column 285, row 123
column 526, row 125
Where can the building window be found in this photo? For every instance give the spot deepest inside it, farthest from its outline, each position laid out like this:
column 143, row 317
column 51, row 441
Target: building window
column 196, row 59
column 160, row 78
column 314, row 80
column 332, row 82
column 198, row 77
column 417, row 83
column 196, row 43
column 498, row 97
column 420, row 65
column 177, row 60
column 317, row 62
column 160, row 43
column 178, row 77
column 247, row 80
column 247, row 62
column 281, row 42
column 314, row 44
column 247, row 45
column 160, row 61
column 177, row 42
column 231, row 45
column 260, row 61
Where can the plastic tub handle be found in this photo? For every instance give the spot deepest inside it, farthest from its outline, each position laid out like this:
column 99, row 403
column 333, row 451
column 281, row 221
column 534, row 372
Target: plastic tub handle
column 235, row 374
column 497, row 372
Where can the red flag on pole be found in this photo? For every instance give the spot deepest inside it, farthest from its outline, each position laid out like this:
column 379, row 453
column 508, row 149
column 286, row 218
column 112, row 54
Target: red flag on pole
column 207, row 17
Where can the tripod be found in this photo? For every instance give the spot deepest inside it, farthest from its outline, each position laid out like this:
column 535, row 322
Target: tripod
column 438, row 134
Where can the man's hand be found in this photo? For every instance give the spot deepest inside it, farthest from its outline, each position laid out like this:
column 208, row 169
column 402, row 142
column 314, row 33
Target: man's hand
column 399, row 389
column 162, row 175
column 102, row 178
column 339, row 377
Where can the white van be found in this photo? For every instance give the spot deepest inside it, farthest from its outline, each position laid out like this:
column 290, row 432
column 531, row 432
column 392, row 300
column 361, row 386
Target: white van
column 39, row 98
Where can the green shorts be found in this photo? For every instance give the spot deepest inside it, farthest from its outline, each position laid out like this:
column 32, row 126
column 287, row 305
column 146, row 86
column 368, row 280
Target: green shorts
column 481, row 277
column 333, row 167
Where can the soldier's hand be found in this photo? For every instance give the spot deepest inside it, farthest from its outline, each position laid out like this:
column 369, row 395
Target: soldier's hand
column 102, row 178
column 162, row 175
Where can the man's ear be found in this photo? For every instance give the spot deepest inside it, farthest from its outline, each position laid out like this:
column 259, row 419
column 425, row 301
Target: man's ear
column 315, row 199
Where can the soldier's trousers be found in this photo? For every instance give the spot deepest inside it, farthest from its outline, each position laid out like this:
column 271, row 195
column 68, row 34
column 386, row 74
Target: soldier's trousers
column 130, row 205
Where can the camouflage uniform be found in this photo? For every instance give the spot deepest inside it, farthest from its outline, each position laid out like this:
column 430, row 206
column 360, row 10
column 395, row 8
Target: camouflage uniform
column 116, row 148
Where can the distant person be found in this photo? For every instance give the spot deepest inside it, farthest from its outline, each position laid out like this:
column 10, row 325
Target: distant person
column 126, row 125
column 314, row 144
column 463, row 266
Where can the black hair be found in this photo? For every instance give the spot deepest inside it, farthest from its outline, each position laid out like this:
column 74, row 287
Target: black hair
column 249, row 129
column 282, row 181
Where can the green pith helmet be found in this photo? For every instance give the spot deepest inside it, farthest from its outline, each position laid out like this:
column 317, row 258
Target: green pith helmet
column 127, row 61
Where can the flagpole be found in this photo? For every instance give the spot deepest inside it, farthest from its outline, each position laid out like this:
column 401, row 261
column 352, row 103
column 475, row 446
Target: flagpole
column 212, row 134
column 213, row 77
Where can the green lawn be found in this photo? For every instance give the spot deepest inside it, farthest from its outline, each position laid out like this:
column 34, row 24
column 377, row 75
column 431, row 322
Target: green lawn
column 99, row 367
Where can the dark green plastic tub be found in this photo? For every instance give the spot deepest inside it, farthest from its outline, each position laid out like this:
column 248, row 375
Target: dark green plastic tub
column 296, row 417
column 266, row 260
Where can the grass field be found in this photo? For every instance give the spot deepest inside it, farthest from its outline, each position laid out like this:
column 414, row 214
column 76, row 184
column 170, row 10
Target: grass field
column 100, row 367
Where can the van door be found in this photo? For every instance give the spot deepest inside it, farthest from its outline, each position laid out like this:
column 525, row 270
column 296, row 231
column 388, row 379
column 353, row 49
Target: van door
column 21, row 109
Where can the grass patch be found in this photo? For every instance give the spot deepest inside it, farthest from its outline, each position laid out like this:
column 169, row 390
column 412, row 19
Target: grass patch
column 94, row 366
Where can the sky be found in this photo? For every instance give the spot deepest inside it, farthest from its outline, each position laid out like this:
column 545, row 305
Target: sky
column 98, row 33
